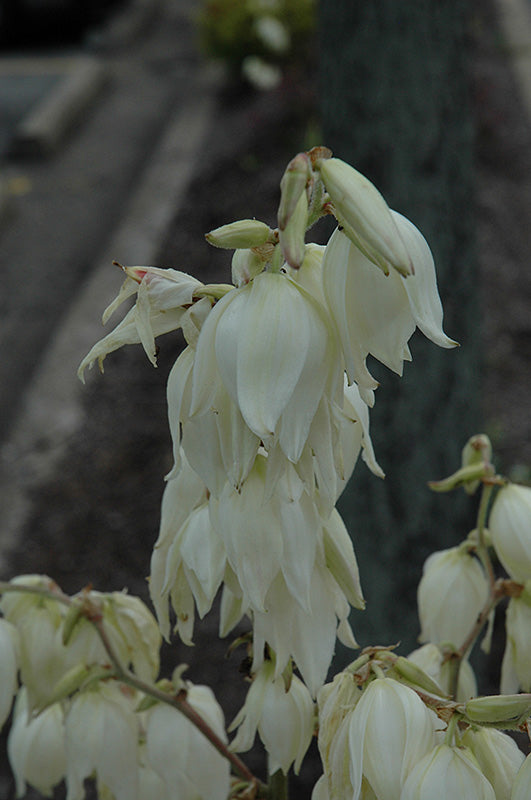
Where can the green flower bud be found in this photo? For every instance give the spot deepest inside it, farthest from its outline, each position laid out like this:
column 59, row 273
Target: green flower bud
column 292, row 185
column 244, row 233
column 502, row 711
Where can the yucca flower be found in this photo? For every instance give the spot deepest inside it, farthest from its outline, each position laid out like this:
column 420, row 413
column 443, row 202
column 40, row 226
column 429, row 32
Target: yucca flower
column 447, row 771
column 516, row 664
column 162, row 296
column 498, row 756
column 451, row 593
column 510, row 529
column 283, row 717
column 375, row 313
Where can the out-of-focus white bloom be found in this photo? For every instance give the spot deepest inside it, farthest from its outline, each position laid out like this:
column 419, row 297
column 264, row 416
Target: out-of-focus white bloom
column 181, row 755
column 36, row 747
column 101, row 731
column 366, row 217
column 283, row 719
column 378, row 313
column 510, row 529
column 447, row 772
column 272, row 346
column 452, row 591
column 430, row 658
column 522, row 783
column 390, row 730
column 516, row 664
column 159, row 308
column 260, row 74
column 272, row 33
column 498, row 756
column 9, row 654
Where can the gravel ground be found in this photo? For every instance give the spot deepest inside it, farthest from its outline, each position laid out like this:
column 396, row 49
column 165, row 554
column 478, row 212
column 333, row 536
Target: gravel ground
column 97, row 520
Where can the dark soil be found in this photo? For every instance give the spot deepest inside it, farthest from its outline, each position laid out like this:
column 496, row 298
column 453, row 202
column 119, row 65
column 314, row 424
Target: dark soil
column 96, row 522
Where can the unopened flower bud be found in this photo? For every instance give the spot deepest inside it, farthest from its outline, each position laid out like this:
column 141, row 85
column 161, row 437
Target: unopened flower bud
column 510, row 529
column 452, row 591
column 478, row 450
column 292, row 237
column 244, row 233
column 367, row 218
column 246, row 264
column 292, row 185
column 503, row 711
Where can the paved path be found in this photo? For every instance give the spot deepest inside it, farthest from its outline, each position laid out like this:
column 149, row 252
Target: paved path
column 110, row 192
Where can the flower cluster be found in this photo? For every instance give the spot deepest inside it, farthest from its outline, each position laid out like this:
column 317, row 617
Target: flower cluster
column 74, row 717
column 387, row 736
column 269, row 408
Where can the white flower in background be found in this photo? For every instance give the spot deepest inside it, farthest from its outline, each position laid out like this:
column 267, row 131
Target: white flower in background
column 377, row 314
column 447, row 772
column 451, row 593
column 162, row 295
column 516, row 664
column 272, row 346
column 522, row 784
column 510, row 529
column 365, row 216
column 181, row 755
column 430, row 658
column 498, row 756
column 101, row 732
column 36, row 747
column 9, row 656
column 283, row 718
column 272, row 33
column 389, row 731
column 260, row 73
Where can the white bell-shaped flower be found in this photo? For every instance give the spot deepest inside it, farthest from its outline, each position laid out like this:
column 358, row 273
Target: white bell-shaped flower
column 283, row 718
column 522, row 783
column 498, row 756
column 390, row 730
column 181, row 755
column 516, row 664
column 275, row 351
column 510, row 529
column 36, row 747
column 9, row 656
column 447, row 772
column 101, row 730
column 451, row 593
column 264, row 536
column 377, row 314
column 188, row 559
column 162, row 295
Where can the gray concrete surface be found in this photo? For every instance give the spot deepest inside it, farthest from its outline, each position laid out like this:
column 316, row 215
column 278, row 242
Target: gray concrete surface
column 110, row 192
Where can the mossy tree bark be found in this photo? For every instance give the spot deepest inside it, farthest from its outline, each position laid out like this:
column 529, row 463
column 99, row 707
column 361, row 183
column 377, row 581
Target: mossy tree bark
column 395, row 104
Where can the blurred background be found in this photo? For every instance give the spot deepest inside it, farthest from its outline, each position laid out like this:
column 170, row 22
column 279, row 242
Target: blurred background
column 130, row 128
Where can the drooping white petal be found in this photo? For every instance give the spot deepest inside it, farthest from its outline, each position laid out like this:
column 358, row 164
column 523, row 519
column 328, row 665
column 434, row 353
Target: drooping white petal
column 203, row 555
column 421, row 287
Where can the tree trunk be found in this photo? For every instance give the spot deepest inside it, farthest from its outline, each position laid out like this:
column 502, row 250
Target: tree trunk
column 394, row 101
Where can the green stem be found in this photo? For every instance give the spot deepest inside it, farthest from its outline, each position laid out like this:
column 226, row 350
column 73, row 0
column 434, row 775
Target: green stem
column 278, row 786
column 482, row 550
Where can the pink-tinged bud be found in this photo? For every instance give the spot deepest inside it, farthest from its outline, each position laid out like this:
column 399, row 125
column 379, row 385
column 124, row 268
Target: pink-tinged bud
column 243, row 234
column 292, row 185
